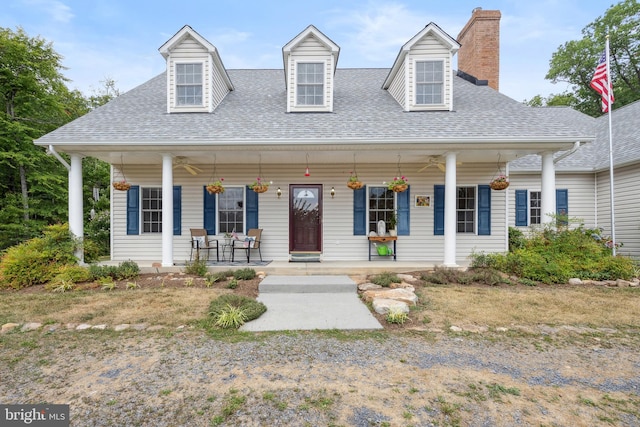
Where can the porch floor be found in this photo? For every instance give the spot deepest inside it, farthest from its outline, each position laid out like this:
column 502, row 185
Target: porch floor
column 286, row 268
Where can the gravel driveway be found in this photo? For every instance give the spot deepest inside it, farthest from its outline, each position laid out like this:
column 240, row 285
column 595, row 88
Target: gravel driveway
column 324, row 379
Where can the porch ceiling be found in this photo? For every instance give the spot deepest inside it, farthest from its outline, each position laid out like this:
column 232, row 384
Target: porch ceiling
column 468, row 152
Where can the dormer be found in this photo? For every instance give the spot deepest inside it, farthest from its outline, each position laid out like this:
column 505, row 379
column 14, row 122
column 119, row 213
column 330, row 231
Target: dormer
column 196, row 78
column 310, row 61
column 421, row 78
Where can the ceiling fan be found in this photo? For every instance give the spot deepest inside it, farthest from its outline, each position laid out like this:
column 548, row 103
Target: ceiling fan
column 436, row 161
column 182, row 161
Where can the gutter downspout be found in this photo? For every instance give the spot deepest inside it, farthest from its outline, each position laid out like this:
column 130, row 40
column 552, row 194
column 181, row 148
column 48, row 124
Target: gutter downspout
column 52, row 152
column 576, row 145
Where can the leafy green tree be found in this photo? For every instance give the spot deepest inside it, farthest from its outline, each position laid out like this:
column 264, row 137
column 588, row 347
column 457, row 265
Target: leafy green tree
column 35, row 100
column 576, row 60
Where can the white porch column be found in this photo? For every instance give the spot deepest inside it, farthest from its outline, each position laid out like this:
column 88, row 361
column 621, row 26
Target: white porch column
column 548, row 189
column 450, row 211
column 167, row 210
column 76, row 221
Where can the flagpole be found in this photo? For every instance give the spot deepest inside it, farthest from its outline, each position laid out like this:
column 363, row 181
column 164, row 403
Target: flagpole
column 609, row 90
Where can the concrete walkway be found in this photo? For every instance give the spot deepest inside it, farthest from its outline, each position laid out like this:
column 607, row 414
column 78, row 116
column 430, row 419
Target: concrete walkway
column 311, row 302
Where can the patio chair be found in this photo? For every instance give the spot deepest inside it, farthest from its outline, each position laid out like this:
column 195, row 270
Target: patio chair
column 200, row 242
column 251, row 242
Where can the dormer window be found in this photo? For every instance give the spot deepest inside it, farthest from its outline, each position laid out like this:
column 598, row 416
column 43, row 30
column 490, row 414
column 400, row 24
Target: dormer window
column 310, row 61
column 197, row 81
column 310, row 80
column 189, row 84
column 421, row 78
column 429, row 82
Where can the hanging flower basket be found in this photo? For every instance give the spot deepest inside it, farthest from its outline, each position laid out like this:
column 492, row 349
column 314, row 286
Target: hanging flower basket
column 499, row 183
column 215, row 187
column 398, row 184
column 355, row 185
column 259, row 186
column 354, row 182
column 121, row 185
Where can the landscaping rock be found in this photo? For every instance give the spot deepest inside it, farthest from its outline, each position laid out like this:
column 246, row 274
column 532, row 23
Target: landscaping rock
column 121, row 327
column 403, row 285
column 83, row 327
column 623, row 283
column 140, row 326
column 8, row 327
column 407, row 278
column 385, row 305
column 368, row 286
column 31, row 326
column 454, row 328
column 396, row 294
column 99, row 327
column 575, row 281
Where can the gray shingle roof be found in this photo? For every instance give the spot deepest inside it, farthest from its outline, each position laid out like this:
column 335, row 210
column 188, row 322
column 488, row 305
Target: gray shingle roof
column 595, row 156
column 255, row 111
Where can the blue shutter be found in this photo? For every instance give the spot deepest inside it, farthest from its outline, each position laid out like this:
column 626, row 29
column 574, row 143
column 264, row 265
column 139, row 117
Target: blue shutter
column 404, row 199
column 521, row 208
column 360, row 212
column 252, row 208
column 562, row 205
column 484, row 210
column 209, row 211
column 438, row 210
column 177, row 210
column 133, row 210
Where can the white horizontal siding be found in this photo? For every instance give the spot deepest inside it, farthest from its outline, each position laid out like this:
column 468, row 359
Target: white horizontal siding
column 339, row 243
column 581, row 195
column 626, row 196
column 397, row 87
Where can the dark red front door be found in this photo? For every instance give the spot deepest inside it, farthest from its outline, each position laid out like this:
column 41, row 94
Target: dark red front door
column 305, row 218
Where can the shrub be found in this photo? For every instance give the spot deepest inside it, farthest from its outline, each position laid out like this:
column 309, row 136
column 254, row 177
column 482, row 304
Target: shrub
column 385, row 279
column 127, row 270
column 244, row 274
column 198, row 267
column 516, row 239
column 230, row 317
column 397, row 316
column 37, row 260
column 443, row 275
column 251, row 308
column 233, row 283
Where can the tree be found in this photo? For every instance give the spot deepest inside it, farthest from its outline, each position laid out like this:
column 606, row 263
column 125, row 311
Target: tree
column 575, row 61
column 35, row 101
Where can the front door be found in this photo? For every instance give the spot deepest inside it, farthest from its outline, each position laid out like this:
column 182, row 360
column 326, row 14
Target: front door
column 305, row 218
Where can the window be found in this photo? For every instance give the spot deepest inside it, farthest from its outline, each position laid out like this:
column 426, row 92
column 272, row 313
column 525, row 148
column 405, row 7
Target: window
column 152, row 210
column 310, row 80
column 429, row 82
column 231, row 210
column 535, row 207
column 189, row 84
column 466, row 209
column 381, row 206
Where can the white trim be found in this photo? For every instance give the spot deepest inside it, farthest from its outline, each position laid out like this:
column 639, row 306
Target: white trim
column 219, row 232
column 414, row 106
column 306, row 107
column 206, row 93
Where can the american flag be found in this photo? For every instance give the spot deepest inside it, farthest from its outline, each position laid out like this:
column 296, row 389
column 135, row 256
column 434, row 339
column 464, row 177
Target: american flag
column 600, row 82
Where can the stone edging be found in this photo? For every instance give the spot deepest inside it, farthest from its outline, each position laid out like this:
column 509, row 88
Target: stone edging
column 49, row 328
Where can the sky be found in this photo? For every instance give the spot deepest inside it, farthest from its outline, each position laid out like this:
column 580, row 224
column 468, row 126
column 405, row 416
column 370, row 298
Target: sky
column 119, row 39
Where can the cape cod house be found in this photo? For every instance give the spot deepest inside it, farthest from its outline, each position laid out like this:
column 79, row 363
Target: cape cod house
column 308, row 127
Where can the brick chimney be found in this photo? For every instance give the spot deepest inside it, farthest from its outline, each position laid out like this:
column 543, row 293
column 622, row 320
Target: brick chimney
column 479, row 54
